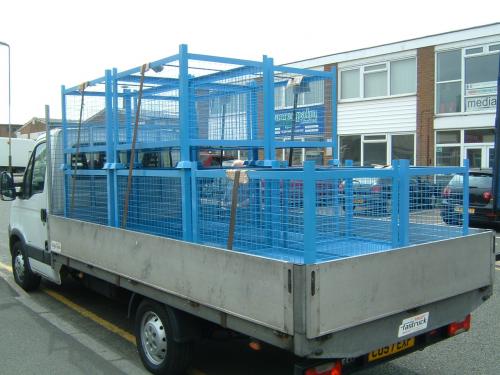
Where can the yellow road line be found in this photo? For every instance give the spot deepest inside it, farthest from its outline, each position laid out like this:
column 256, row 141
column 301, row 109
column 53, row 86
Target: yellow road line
column 94, row 317
column 5, row 267
column 90, row 315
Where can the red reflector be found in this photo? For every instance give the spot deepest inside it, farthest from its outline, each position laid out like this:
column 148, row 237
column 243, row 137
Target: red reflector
column 376, row 189
column 487, row 196
column 459, row 327
column 334, row 368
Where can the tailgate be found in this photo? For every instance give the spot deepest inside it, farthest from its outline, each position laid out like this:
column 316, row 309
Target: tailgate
column 357, row 290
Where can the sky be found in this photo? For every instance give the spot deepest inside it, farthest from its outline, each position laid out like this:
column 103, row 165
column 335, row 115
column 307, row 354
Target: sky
column 67, row 42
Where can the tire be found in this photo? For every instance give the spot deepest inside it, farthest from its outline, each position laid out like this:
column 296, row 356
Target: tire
column 21, row 269
column 155, row 328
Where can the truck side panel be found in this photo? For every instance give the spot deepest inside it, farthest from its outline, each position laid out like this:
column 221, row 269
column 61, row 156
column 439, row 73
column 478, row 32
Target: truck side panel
column 252, row 288
column 357, row 290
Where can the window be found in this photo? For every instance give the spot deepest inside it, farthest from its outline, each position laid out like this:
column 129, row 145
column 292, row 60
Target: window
column 481, row 73
column 375, row 80
column 372, row 81
column 311, row 93
column 403, row 147
column 374, row 150
column 449, row 81
column 452, row 136
column 350, row 149
column 34, row 179
column 403, row 76
column 350, row 84
column 479, row 136
column 479, row 79
column 448, row 156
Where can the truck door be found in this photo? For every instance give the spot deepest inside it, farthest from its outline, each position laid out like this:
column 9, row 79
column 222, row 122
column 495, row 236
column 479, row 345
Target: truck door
column 30, row 212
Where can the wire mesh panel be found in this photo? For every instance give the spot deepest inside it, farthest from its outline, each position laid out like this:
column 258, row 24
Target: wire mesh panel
column 225, row 103
column 302, row 114
column 154, row 205
column 268, row 216
column 87, row 198
column 158, row 121
column 354, row 216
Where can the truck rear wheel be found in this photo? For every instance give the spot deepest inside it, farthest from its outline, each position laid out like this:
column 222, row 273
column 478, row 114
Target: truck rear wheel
column 155, row 330
column 21, row 269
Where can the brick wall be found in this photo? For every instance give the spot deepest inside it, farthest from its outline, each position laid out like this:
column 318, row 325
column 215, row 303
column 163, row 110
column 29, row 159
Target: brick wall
column 425, row 106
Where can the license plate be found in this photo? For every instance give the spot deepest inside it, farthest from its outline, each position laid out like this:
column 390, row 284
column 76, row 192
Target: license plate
column 460, row 210
column 387, row 351
column 358, row 201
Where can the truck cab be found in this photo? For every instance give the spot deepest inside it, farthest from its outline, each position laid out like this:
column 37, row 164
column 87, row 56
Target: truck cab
column 28, row 227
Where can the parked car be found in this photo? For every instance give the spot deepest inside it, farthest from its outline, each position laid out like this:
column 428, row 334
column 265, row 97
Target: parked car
column 480, row 199
column 374, row 195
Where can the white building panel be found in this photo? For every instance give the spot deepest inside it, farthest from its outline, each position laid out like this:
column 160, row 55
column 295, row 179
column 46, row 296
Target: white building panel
column 484, row 120
column 391, row 115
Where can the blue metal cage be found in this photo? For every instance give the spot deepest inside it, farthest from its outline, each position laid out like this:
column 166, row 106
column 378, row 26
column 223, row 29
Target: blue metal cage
column 134, row 154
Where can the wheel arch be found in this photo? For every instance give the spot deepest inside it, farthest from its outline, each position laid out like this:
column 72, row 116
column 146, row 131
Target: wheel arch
column 15, row 236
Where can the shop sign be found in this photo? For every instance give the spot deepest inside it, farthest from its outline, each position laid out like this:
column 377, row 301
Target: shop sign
column 480, row 103
column 309, row 121
column 480, row 96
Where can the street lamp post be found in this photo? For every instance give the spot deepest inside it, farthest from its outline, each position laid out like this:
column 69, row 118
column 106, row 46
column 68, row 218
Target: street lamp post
column 10, row 132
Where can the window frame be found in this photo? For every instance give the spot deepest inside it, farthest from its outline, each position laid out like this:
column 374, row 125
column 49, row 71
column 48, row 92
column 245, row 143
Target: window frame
column 362, row 72
column 387, row 139
column 27, row 187
column 485, row 50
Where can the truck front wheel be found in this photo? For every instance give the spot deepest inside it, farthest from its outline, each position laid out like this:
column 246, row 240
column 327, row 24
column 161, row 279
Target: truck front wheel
column 156, row 329
column 21, row 269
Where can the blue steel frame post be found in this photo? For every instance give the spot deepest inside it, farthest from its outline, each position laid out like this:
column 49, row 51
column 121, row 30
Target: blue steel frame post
column 65, row 145
column 404, row 202
column 335, row 149
column 496, row 164
column 465, row 208
column 309, row 198
column 116, row 142
column 268, row 100
column 348, row 202
column 395, row 205
column 127, row 105
column 252, row 108
column 185, row 163
column 194, row 203
column 275, row 217
column 110, row 150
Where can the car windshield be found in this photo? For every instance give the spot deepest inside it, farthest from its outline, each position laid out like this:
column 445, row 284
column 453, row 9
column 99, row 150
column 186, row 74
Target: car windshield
column 476, row 180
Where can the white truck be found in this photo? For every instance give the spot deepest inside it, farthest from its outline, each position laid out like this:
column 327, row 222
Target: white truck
column 21, row 150
column 336, row 316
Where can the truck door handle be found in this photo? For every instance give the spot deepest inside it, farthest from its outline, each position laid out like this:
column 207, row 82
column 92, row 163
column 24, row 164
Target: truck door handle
column 43, row 215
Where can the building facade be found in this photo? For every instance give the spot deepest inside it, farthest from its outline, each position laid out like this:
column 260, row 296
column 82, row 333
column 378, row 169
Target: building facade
column 431, row 100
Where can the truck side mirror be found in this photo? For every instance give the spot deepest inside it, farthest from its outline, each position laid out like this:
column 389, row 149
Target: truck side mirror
column 7, row 188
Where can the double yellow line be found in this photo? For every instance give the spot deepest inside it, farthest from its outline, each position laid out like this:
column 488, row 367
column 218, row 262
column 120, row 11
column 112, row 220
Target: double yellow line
column 83, row 311
column 92, row 316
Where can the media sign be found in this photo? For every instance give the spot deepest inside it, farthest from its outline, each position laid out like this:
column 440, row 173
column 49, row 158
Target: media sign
column 480, row 96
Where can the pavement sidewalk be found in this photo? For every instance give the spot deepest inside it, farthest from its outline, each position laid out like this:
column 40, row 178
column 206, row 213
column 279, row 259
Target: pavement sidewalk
column 30, row 344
